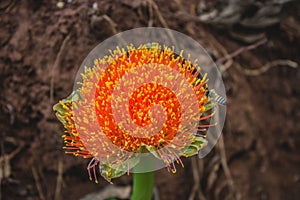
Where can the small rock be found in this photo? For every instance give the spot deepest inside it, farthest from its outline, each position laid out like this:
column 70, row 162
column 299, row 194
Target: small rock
column 296, row 178
column 15, row 56
column 95, row 5
column 60, row 4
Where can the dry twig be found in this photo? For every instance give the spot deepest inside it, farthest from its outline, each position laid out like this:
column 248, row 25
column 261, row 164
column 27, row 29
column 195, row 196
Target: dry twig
column 59, row 179
column 223, row 50
column 12, row 154
column 158, row 13
column 219, row 189
column 113, row 26
column 224, row 160
column 110, row 191
column 56, row 63
column 150, row 9
column 266, row 67
column 162, row 20
column 201, row 170
column 37, row 183
column 227, row 59
column 5, row 168
column 241, row 50
column 226, row 168
column 213, row 166
column 7, row 5
column 197, row 170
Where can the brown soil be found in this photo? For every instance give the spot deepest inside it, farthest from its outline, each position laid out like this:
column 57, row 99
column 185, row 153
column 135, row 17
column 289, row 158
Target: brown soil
column 262, row 127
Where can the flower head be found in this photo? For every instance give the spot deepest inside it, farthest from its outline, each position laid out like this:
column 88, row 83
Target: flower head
column 140, row 100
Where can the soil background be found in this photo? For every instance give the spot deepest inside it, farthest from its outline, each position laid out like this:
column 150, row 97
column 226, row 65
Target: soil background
column 42, row 45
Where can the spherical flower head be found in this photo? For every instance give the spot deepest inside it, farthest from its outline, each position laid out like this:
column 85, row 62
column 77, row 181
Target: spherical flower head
column 137, row 101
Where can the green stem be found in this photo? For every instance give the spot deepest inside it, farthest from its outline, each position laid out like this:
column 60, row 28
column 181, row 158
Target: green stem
column 142, row 186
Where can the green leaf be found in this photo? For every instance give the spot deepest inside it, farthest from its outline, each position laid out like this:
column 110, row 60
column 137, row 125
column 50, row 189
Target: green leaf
column 64, row 106
column 114, row 171
column 195, row 146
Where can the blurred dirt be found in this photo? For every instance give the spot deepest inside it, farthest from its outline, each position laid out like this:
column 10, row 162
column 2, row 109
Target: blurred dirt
column 42, row 46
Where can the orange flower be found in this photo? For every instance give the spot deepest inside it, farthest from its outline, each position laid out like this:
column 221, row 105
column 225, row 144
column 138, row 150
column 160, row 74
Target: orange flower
column 143, row 100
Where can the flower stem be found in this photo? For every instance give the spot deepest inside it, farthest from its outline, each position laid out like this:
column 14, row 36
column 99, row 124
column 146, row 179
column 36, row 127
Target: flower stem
column 142, row 186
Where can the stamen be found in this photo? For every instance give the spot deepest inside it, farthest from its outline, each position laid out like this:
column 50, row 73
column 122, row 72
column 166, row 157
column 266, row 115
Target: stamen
column 207, row 116
column 206, row 125
column 89, row 168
